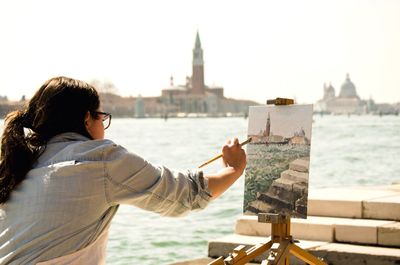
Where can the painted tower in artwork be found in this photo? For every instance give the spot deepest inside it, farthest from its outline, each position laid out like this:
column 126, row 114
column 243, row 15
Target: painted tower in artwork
column 268, row 127
column 198, row 68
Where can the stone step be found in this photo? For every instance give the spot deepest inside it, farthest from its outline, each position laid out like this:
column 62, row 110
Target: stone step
column 283, row 189
column 288, row 186
column 294, row 176
column 301, row 165
column 382, row 202
column 285, row 184
column 277, row 202
column 329, row 229
column 332, row 253
column 259, row 206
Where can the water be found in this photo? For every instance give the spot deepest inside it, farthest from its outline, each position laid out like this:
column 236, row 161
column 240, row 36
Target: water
column 345, row 151
column 139, row 237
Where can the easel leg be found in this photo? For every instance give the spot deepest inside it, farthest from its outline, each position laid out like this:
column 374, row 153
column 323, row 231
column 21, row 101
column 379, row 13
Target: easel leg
column 242, row 257
column 279, row 254
column 219, row 261
column 304, row 255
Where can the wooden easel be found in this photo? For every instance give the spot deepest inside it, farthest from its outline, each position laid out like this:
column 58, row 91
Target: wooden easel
column 280, row 246
column 281, row 243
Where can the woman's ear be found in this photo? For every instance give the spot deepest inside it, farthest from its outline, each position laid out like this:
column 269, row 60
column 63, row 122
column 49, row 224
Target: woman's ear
column 88, row 121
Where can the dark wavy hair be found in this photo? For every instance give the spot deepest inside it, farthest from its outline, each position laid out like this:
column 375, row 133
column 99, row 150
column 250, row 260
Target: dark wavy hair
column 59, row 106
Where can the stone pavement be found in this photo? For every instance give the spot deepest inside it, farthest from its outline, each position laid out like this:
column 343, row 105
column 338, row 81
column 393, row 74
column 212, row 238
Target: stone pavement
column 345, row 226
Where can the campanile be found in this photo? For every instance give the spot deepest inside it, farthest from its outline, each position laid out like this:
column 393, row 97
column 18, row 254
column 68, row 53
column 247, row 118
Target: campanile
column 198, row 68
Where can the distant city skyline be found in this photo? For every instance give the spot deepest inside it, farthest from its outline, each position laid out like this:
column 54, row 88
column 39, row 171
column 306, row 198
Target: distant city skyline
column 255, row 50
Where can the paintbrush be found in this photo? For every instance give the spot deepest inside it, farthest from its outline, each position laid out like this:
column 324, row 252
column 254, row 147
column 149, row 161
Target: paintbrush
column 220, row 155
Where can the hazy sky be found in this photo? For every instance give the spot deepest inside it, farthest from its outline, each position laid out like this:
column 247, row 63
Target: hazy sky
column 285, row 121
column 254, row 49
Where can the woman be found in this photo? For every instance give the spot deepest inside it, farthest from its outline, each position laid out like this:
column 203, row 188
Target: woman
column 61, row 182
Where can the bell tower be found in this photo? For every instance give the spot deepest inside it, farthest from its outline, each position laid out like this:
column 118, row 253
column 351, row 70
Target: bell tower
column 198, row 68
column 268, row 126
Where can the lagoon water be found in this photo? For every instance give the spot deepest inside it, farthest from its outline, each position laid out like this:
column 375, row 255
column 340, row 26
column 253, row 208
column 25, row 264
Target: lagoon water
column 345, row 151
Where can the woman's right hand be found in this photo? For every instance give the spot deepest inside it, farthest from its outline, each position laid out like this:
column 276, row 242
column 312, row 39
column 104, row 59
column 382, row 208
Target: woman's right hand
column 234, row 159
column 233, row 155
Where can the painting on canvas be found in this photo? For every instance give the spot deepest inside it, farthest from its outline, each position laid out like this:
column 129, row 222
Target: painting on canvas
column 278, row 158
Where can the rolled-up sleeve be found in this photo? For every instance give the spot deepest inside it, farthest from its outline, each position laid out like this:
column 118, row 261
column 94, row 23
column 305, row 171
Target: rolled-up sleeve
column 129, row 179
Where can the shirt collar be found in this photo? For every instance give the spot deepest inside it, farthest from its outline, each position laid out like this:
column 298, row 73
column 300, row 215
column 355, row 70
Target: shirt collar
column 68, row 136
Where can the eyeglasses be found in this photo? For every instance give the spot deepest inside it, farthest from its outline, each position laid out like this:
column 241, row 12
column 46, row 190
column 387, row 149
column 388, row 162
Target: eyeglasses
column 106, row 118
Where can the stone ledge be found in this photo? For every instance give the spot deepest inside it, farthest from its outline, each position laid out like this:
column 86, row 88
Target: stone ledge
column 334, row 208
column 360, row 231
column 389, row 235
column 329, row 229
column 339, row 254
column 382, row 202
column 387, row 207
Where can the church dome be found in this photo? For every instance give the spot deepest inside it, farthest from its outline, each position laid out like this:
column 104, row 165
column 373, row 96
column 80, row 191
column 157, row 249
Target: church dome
column 348, row 89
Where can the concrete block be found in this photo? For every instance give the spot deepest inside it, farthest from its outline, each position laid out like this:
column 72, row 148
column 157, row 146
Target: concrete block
column 389, row 234
column 386, row 207
column 313, row 228
column 395, row 186
column 329, row 229
column 354, row 193
column 249, row 226
column 334, row 208
column 340, row 254
column 382, row 202
column 361, row 231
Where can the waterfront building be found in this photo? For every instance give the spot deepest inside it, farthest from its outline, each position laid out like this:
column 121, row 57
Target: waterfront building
column 347, row 102
column 6, row 106
column 195, row 96
column 192, row 99
column 139, row 107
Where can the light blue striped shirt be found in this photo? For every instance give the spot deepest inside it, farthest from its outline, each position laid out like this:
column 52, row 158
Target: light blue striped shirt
column 73, row 191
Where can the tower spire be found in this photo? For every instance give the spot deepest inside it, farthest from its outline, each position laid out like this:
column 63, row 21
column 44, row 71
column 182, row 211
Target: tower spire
column 198, row 67
column 197, row 44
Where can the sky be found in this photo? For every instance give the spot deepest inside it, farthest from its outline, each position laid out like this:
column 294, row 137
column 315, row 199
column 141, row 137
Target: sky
column 256, row 50
column 285, row 121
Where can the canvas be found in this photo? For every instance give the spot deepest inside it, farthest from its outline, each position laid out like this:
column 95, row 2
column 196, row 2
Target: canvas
column 278, row 158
